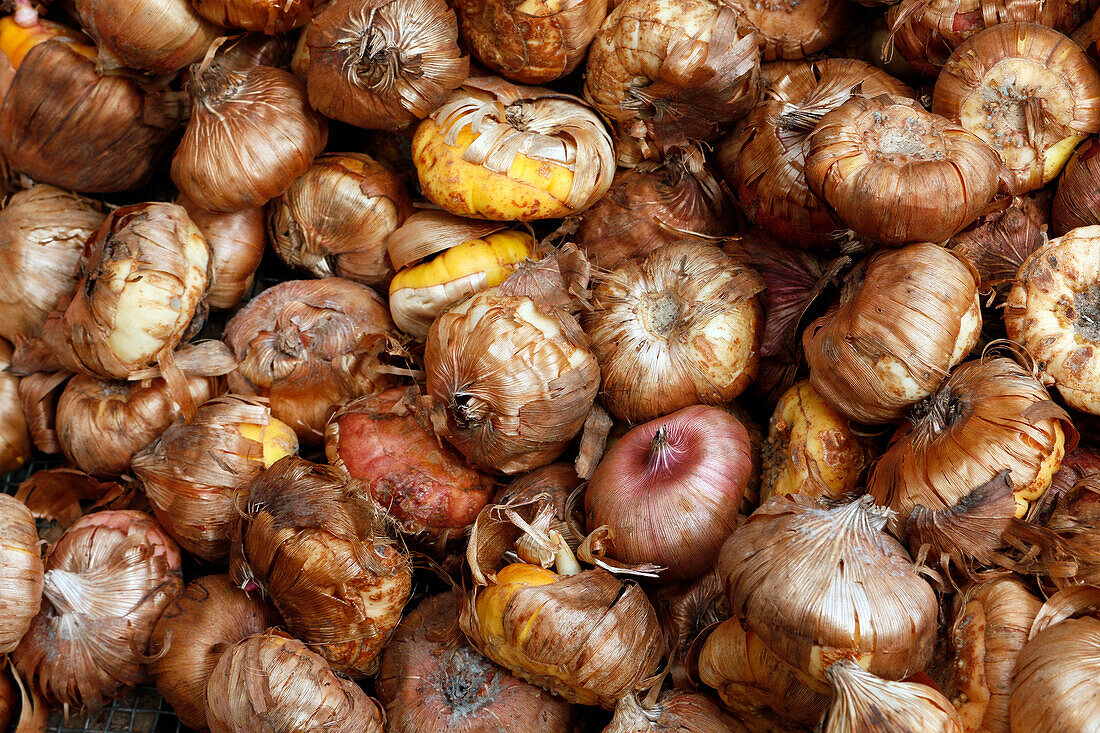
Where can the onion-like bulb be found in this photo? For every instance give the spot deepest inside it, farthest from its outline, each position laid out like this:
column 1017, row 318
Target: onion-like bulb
column 197, row 473
column 236, row 242
column 63, row 123
column 669, row 490
column 210, row 615
column 915, row 315
column 680, row 327
column 669, row 72
column 888, row 623
column 864, row 703
column 531, row 42
column 1026, row 90
column 251, row 133
column 898, row 174
column 673, row 711
column 764, row 159
column 158, row 36
column 310, row 346
column 20, row 572
column 272, row 682
column 42, row 235
column 270, row 17
column 15, row 436
column 653, row 205
column 794, row 29
column 432, row 683
column 315, row 543
column 335, row 217
column 107, row 581
column 1000, row 242
column 383, row 64
column 505, row 152
column 1075, row 203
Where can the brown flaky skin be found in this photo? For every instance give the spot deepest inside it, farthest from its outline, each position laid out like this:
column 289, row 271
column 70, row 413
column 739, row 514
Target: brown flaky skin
column 237, row 240
column 270, row 683
column 98, row 139
column 262, row 16
column 107, row 581
column 530, row 41
column 210, row 615
column 793, row 29
column 383, row 64
column 865, row 703
column 764, row 159
column 898, row 174
column 315, row 543
column 251, row 133
column 1000, row 241
column 424, row 483
column 309, row 346
column 159, row 37
column 1077, row 202
column 20, row 572
column 867, row 367
column 15, row 436
column 673, row 712
column 433, row 683
column 1055, row 676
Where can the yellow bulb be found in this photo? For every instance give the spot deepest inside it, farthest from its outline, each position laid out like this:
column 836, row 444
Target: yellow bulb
column 496, row 255
column 277, row 438
column 16, row 41
column 493, row 600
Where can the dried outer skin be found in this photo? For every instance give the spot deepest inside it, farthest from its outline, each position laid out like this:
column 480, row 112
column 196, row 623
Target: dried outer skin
column 42, row 235
column 431, row 682
column 897, row 174
column 269, row 683
column 1027, row 91
column 237, row 241
column 335, row 218
column 511, row 382
column 666, row 72
column 251, row 133
column 674, row 711
column 39, row 393
column 764, row 159
column 383, row 64
column 1055, row 675
column 107, row 581
column 989, row 627
column 870, row 370
column 1076, row 203
column 857, row 595
column 679, row 328
column 309, row 346
column 210, row 615
column 988, row 416
column 57, row 497
column 423, row 483
column 21, row 572
column 160, row 37
column 1000, row 242
column 97, row 139
column 1053, row 311
column 261, row 16
column 863, row 703
column 794, row 29
column 102, row 424
column 15, row 437
column 530, row 41
column 1075, row 517
column 556, row 482
column 316, row 544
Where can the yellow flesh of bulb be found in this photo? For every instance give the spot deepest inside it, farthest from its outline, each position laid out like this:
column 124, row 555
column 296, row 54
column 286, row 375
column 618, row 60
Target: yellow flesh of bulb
column 17, row 41
column 278, row 440
column 496, row 255
column 494, row 599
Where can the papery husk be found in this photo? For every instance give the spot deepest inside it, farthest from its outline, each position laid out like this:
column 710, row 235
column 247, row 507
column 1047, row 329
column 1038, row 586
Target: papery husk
column 57, row 497
column 39, row 394
column 317, row 545
column 251, row 133
column 989, row 627
column 755, row 684
column 420, row 481
column 764, row 159
column 887, row 618
column 15, row 437
column 865, row 365
column 505, row 152
column 42, row 235
column 270, row 17
column 511, row 381
column 863, row 702
column 1026, row 90
column 197, row 473
column 1053, row 688
column 310, row 346
column 1075, row 204
column 383, row 64
column 897, row 174
column 673, row 711
column 558, row 483
column 432, row 681
column 157, row 36
column 20, row 572
column 1075, row 518
column 428, row 232
column 63, row 123
column 680, row 327
column 102, row 424
column 794, row 29
column 237, row 241
column 532, row 42
column 107, row 581
column 686, row 609
column 270, row 682
column 257, row 49
column 651, row 206
column 1052, row 311
column 668, row 72
column 209, row 616
column 1000, row 242
column 335, row 218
